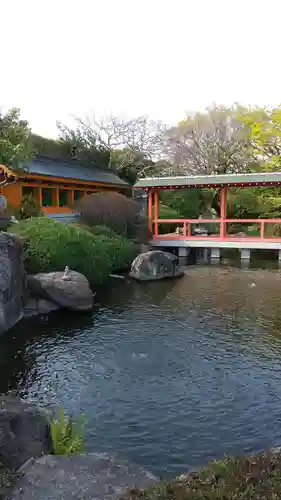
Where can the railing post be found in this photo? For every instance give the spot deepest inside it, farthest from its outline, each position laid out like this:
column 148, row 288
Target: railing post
column 223, row 210
column 156, row 212
column 262, row 230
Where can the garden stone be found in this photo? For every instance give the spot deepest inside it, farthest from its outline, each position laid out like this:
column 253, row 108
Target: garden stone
column 97, row 476
column 68, row 289
column 12, row 281
column 24, row 432
column 155, row 265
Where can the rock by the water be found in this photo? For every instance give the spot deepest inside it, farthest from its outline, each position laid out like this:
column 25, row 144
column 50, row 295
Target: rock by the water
column 24, row 432
column 98, row 476
column 12, row 281
column 34, row 306
column 155, row 265
column 70, row 291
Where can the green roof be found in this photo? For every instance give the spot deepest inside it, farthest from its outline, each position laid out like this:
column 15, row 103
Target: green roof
column 255, row 179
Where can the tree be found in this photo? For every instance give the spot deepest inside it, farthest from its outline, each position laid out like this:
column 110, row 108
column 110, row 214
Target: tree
column 15, row 140
column 263, row 127
column 132, row 145
column 207, row 143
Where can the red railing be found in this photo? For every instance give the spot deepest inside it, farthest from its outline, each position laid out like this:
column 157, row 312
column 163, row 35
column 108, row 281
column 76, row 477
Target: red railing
column 186, row 225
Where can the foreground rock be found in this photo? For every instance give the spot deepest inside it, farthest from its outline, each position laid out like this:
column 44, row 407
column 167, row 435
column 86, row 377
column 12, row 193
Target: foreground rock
column 69, row 290
column 12, row 281
column 24, row 432
column 92, row 476
column 155, row 265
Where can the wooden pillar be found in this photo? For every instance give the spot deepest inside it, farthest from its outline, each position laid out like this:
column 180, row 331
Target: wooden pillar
column 40, row 198
column 223, row 211
column 149, row 209
column 56, row 199
column 156, row 212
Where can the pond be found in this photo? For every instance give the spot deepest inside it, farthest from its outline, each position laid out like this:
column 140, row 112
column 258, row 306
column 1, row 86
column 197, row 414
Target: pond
column 171, row 374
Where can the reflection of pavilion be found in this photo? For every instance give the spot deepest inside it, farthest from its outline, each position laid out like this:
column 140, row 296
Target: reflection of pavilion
column 222, row 235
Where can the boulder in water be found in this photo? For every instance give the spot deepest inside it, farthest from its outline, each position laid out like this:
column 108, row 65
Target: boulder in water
column 12, row 281
column 69, row 290
column 155, row 265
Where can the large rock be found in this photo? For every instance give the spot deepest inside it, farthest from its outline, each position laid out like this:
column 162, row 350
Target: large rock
column 24, row 432
column 70, row 290
column 155, row 265
column 12, row 281
column 96, row 476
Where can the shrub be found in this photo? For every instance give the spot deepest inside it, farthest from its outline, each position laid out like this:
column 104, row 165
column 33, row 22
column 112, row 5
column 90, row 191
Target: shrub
column 67, row 436
column 245, row 478
column 50, row 246
column 115, row 211
column 29, row 207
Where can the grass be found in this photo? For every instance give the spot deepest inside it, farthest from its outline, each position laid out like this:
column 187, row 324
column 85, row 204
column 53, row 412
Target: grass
column 247, row 478
column 67, row 436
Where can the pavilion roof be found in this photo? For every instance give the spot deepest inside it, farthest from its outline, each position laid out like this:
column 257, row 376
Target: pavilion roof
column 189, row 181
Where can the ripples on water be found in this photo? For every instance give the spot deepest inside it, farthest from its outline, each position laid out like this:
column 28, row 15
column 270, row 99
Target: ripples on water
column 171, row 374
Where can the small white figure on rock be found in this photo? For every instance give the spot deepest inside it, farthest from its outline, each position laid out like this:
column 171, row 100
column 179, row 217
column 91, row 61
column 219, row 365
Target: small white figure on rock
column 66, row 276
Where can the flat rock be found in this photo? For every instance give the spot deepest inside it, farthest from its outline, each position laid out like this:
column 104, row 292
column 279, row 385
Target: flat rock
column 93, row 476
column 72, row 292
column 24, row 432
column 34, row 306
column 155, row 265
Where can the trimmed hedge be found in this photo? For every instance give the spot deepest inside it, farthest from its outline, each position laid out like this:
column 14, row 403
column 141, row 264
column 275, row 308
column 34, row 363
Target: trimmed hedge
column 50, row 246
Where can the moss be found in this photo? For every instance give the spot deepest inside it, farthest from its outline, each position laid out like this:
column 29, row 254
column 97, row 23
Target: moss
column 257, row 477
column 7, row 481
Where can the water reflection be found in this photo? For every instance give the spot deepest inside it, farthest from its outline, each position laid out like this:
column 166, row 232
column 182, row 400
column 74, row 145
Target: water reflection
column 171, row 374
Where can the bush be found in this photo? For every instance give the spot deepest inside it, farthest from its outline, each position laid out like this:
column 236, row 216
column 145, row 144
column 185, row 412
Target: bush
column 115, row 211
column 246, row 478
column 67, row 436
column 50, row 246
column 29, row 208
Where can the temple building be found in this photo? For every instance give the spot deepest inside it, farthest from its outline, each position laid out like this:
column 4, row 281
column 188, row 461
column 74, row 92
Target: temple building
column 57, row 184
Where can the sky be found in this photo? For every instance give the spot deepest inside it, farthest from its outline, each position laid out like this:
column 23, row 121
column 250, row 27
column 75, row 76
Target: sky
column 159, row 58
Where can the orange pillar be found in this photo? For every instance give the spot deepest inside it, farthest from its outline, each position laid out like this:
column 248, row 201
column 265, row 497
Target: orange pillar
column 149, row 209
column 156, row 212
column 223, row 211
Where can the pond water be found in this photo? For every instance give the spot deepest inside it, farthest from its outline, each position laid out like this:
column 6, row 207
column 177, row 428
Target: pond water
column 171, row 374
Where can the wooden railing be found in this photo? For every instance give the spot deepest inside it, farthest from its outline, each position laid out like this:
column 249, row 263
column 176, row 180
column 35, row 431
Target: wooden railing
column 186, row 228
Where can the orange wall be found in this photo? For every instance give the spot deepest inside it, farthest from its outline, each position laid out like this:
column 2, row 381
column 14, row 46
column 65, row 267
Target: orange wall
column 13, row 194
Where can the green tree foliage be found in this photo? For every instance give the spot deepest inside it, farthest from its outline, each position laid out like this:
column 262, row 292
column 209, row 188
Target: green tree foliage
column 263, row 127
column 70, row 150
column 15, row 140
column 29, row 207
column 50, row 246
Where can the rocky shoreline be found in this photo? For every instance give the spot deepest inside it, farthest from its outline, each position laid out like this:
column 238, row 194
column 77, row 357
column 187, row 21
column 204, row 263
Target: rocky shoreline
column 30, row 470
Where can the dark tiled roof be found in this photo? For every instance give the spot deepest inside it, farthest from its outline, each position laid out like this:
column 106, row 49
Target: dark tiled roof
column 68, row 170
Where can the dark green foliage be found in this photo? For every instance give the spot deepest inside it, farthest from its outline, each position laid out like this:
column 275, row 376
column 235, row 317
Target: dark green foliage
column 246, row 478
column 67, row 150
column 15, row 140
column 29, row 207
column 117, row 212
column 51, row 245
column 7, row 481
